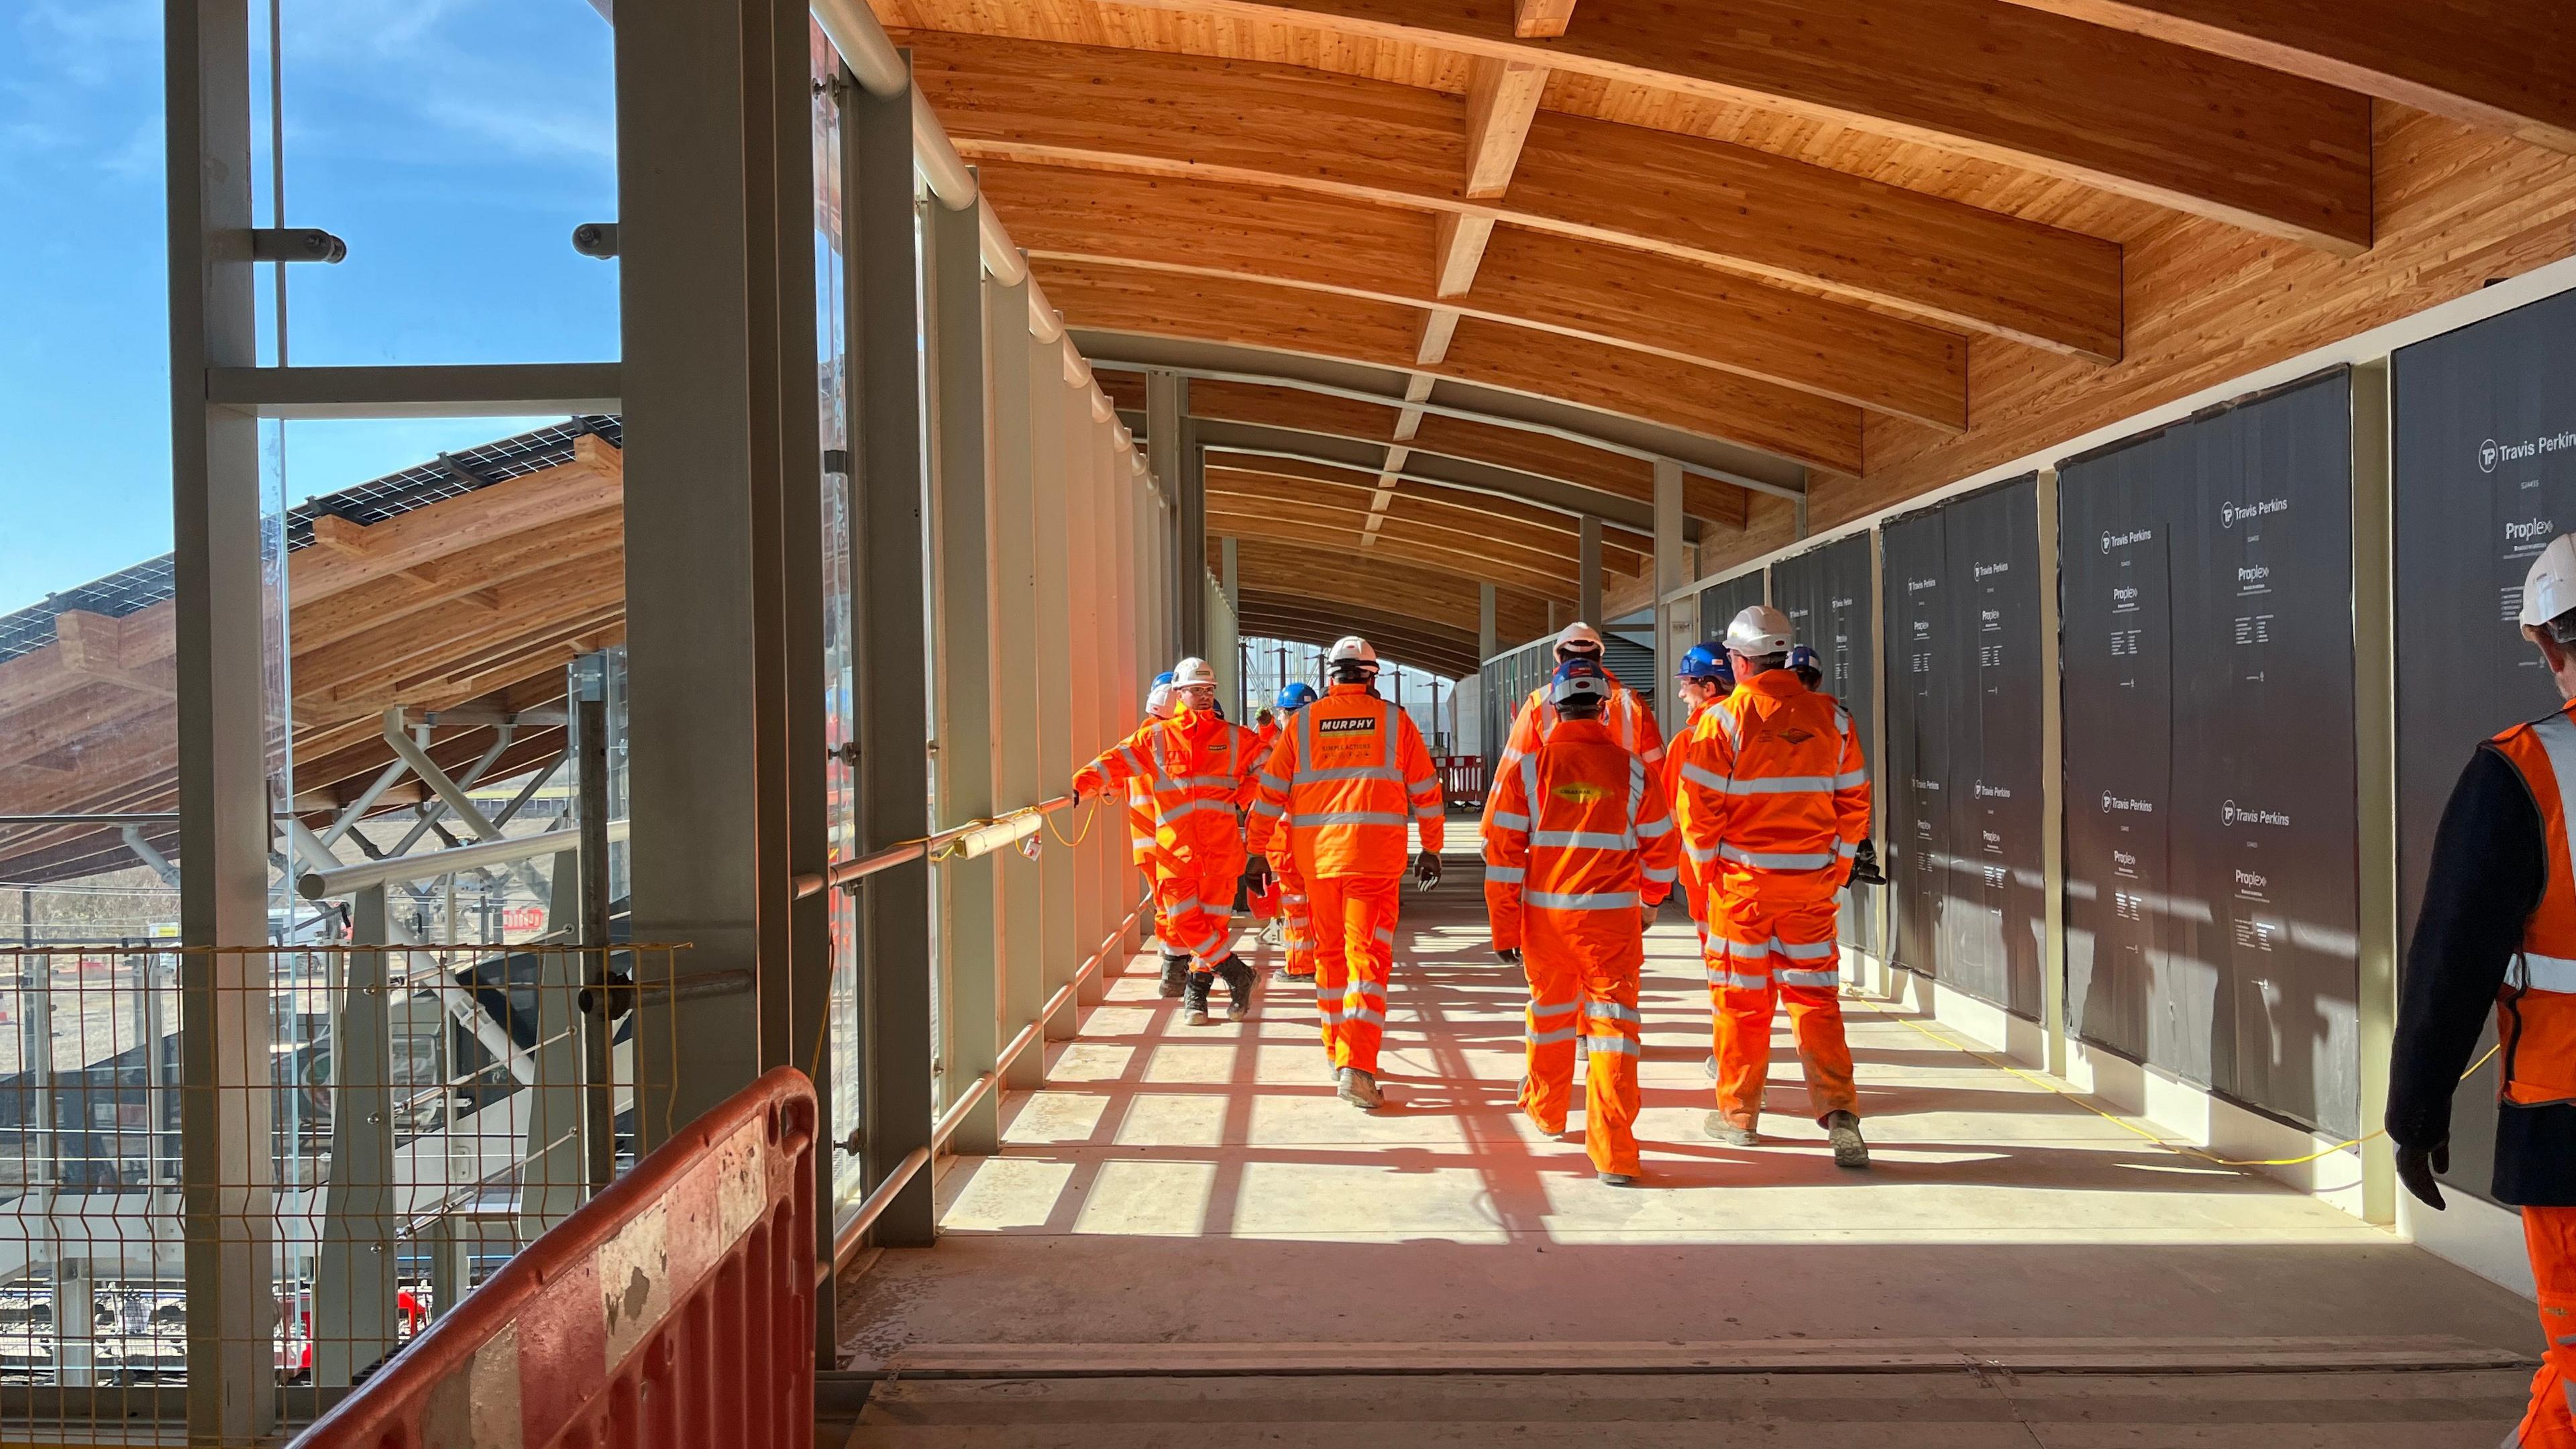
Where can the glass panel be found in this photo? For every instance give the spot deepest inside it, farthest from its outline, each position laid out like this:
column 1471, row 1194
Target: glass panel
column 839, row 680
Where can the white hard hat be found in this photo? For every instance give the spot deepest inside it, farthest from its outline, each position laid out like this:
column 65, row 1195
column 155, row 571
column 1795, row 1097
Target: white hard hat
column 2549, row 590
column 1759, row 630
column 1579, row 636
column 1192, row 671
column 1158, row 703
column 1352, row 648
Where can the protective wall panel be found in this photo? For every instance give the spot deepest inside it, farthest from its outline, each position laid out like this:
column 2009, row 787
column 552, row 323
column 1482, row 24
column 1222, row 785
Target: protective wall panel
column 2485, row 477
column 1993, row 916
column 1720, row 602
column 1923, row 668
column 2115, row 647
column 2244, row 958
column 1827, row 594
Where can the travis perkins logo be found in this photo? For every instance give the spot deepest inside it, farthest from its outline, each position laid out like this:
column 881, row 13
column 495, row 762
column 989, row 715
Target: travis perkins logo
column 2121, row 802
column 2228, row 513
column 2111, row 541
column 2492, row 452
column 2231, row 813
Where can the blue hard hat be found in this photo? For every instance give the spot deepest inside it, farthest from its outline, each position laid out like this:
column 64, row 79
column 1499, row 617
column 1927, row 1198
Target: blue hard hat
column 1705, row 661
column 1577, row 677
column 1166, row 677
column 1803, row 656
column 1297, row 696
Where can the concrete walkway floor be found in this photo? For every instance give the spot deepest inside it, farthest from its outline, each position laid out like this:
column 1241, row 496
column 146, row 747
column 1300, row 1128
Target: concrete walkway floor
column 1195, row 1202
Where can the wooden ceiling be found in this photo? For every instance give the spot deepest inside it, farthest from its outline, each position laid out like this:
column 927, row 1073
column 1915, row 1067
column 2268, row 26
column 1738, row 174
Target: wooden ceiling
column 1783, row 224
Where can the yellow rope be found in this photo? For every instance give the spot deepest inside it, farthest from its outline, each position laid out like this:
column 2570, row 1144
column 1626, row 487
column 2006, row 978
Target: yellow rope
column 1090, row 817
column 2127, row 1126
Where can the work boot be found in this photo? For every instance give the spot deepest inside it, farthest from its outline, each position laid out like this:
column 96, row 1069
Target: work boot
column 1176, row 974
column 1618, row 1179
column 1359, row 1089
column 1844, row 1130
column 1239, row 982
column 1730, row 1134
column 1194, row 998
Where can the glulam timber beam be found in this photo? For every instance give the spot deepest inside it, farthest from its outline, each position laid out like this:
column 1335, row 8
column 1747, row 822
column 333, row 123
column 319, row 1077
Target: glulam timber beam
column 1466, row 513
column 1817, row 432
column 2202, row 133
column 1554, row 284
column 1732, row 207
column 2479, row 61
column 1441, row 650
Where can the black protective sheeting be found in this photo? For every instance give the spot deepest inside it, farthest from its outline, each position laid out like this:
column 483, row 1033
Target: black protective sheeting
column 1827, row 594
column 1720, row 602
column 2485, row 477
column 1964, row 825
column 2237, row 968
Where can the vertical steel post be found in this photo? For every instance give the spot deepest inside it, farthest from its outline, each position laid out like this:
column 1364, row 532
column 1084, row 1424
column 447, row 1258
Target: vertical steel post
column 2052, row 792
column 1048, row 399
column 888, row 630
column 220, row 606
column 589, row 731
column 1671, row 636
column 2374, row 616
column 1078, row 439
column 1130, row 485
column 1017, row 666
column 1587, row 572
column 1230, row 663
column 1108, row 699
column 353, row 1279
column 962, row 638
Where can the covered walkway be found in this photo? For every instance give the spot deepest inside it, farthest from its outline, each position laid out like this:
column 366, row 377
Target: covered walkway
column 1185, row 1231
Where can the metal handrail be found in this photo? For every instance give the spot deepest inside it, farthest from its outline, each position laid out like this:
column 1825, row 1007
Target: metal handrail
column 958, row 842
column 509, row 850
column 853, row 1234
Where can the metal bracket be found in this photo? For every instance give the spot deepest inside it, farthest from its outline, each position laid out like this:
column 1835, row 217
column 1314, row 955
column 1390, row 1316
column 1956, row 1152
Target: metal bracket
column 595, row 239
column 295, row 244
column 855, row 1143
column 847, row 752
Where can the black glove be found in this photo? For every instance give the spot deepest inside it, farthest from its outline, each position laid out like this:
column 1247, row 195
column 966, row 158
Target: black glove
column 1256, row 874
column 1426, row 869
column 1508, row 955
column 2418, row 1168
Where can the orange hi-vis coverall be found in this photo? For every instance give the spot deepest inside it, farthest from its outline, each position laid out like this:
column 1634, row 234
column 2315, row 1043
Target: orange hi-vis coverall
column 1345, row 780
column 1693, row 888
column 1629, row 719
column 1773, row 805
column 1296, row 914
column 1581, row 842
column 1197, row 770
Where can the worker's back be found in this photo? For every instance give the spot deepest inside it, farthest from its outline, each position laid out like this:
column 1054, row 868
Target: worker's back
column 1349, row 775
column 1774, row 798
column 1589, row 805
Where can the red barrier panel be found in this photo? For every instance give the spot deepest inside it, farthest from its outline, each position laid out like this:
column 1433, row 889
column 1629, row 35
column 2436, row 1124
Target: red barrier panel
column 676, row 1308
column 1462, row 778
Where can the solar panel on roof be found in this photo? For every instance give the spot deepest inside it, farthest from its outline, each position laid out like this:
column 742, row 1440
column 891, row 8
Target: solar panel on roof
column 140, row 587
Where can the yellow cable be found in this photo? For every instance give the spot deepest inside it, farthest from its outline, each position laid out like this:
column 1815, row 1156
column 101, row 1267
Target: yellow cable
column 1090, row 817
column 2125, row 1125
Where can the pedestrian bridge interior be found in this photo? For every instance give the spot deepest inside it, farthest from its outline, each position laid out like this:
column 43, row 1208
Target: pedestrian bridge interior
column 2146, row 410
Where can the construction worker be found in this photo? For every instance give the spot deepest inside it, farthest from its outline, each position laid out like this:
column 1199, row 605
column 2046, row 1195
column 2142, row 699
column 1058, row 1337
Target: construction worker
column 1703, row 679
column 2497, row 934
column 1582, row 850
column 1141, row 849
column 1805, row 663
column 1774, row 803
column 1195, row 765
column 1343, row 783
column 1630, row 719
column 1297, row 926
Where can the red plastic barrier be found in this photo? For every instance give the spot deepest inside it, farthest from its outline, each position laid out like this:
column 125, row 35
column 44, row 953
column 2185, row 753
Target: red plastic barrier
column 676, row 1308
column 1462, row 777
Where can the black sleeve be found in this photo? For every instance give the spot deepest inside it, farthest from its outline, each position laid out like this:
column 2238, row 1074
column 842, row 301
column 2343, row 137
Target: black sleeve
column 2490, row 864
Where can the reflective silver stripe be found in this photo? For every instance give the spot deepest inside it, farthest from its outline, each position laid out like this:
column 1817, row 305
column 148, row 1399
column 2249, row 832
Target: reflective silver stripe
column 1552, row 1008
column 1270, row 808
column 1351, row 817
column 1808, row 978
column 1610, row 1011
column 1196, row 807
column 1706, row 779
column 1135, row 763
column 1842, row 720
column 1806, row 950
column 2550, row 973
column 1771, row 860
column 1661, row 874
column 1328, row 998
column 1726, row 721
column 1636, row 797
column 1507, row 820
column 1847, row 849
column 1701, row 854
column 1655, row 829
column 1784, row 785
column 1355, row 772
column 1427, row 812
column 1210, row 782
column 1578, row 840
column 1551, row 1038
column 1270, row 781
column 1511, row 873
column 1849, row 778
column 1386, row 935
column 1332, row 1016
column 1739, row 983
column 1617, row 1046
column 1594, row 901
column 1375, row 1018
column 2557, row 736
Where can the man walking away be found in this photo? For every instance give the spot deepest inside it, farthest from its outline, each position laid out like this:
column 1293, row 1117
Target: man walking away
column 1581, row 851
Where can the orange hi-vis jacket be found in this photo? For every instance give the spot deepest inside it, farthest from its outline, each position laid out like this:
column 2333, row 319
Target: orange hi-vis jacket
column 1347, row 776
column 2536, row 1008
column 1578, row 827
column 1197, row 769
column 1774, row 798
column 1629, row 718
column 1694, row 881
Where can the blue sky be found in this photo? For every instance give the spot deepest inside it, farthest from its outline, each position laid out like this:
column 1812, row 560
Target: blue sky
column 453, row 144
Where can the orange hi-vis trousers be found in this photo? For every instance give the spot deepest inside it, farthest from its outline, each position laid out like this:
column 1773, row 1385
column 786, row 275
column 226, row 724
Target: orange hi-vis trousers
column 1354, row 923
column 1296, row 915
column 1760, row 954
column 1194, row 909
column 2550, row 1235
column 1577, row 989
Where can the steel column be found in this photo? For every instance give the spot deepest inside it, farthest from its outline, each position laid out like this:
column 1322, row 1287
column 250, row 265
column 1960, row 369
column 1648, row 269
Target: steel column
column 2374, row 619
column 1016, row 669
column 1077, row 438
column 962, row 640
column 1189, row 517
column 1048, row 400
column 1587, row 573
column 887, row 635
column 1672, row 635
column 1126, row 495
column 2052, row 792
column 220, row 607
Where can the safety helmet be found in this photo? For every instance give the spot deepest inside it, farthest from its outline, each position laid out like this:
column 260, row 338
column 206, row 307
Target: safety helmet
column 1578, row 678
column 1759, row 630
column 1705, row 661
column 1296, row 696
column 2549, row 590
column 1163, row 678
column 1804, row 657
column 1158, row 701
column 1193, row 671
column 1352, row 649
column 1578, row 638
